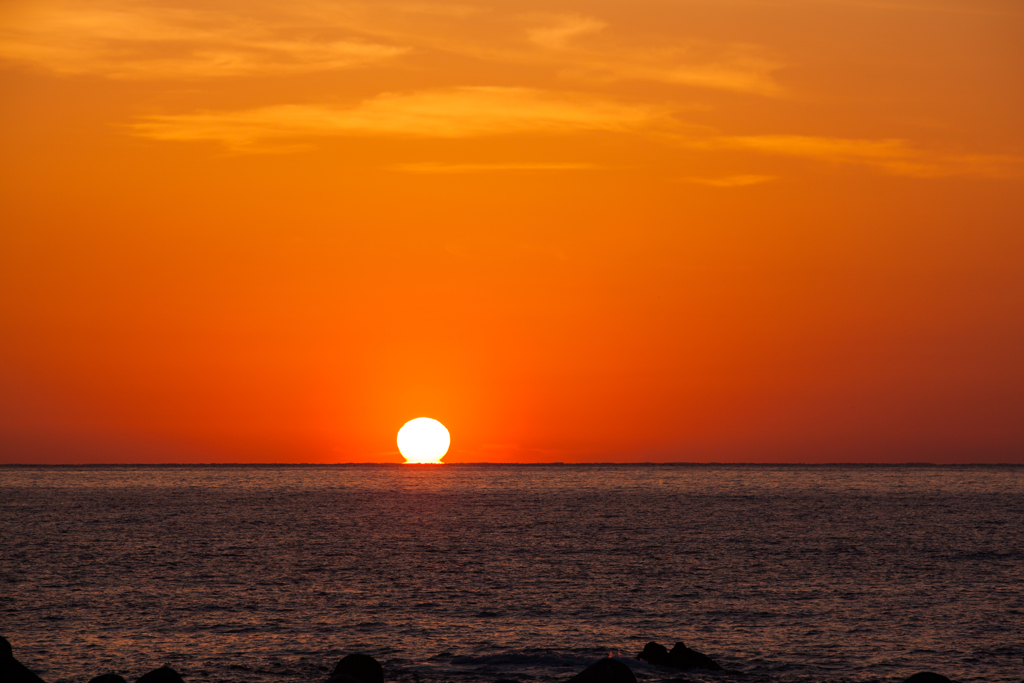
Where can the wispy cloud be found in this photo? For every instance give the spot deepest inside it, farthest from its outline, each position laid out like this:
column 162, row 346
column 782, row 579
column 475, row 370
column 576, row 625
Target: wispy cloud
column 132, row 40
column 487, row 111
column 449, row 113
column 745, row 74
column 730, row 181
column 740, row 68
column 445, row 168
column 893, row 156
column 557, row 33
column 143, row 40
column 992, row 8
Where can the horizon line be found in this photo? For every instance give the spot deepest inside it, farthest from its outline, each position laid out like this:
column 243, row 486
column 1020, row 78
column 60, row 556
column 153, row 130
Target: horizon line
column 677, row 463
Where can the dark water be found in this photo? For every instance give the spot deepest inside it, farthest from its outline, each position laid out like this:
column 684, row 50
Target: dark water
column 475, row 573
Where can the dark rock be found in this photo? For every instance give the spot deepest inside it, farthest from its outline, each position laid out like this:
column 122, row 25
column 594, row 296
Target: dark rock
column 655, row 653
column 358, row 667
column 108, row 678
column 680, row 657
column 11, row 670
column 606, row 670
column 164, row 674
column 686, row 659
column 927, row 677
column 343, row 678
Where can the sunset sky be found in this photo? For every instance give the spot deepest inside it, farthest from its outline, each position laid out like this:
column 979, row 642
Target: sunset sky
column 654, row 230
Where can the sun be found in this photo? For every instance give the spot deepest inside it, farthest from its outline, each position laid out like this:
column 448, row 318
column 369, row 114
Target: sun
column 423, row 441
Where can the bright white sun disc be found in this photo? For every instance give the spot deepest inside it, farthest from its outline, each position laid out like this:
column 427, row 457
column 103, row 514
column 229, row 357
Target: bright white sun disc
column 423, row 441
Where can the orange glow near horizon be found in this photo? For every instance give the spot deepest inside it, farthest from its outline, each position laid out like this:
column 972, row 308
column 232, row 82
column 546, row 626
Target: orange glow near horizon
column 783, row 231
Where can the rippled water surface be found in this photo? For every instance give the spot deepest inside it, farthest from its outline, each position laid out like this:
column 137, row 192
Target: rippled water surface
column 475, row 573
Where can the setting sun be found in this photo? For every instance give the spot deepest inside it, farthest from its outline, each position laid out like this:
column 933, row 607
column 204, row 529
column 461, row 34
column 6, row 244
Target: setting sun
column 423, row 441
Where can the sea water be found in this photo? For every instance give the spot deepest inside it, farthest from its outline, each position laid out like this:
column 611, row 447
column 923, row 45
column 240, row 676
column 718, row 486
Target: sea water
column 476, row 573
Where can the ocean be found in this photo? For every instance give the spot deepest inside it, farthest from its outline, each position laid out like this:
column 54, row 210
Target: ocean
column 475, row 573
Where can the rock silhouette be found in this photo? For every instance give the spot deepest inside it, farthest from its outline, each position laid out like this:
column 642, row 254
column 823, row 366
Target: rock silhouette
column 11, row 670
column 680, row 657
column 927, row 677
column 606, row 670
column 164, row 674
column 108, row 678
column 357, row 668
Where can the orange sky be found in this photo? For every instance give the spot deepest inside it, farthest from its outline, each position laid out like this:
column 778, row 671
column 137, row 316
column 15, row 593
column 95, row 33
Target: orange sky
column 655, row 230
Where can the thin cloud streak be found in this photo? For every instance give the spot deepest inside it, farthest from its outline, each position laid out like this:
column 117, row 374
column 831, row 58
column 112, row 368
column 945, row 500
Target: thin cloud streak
column 730, row 181
column 557, row 34
column 893, row 156
column 442, row 168
column 745, row 75
column 721, row 67
column 450, row 113
column 131, row 41
column 977, row 9
column 487, row 111
column 716, row 67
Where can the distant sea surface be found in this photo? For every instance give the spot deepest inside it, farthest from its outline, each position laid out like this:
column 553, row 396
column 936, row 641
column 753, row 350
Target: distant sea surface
column 471, row 574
